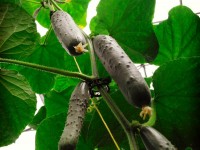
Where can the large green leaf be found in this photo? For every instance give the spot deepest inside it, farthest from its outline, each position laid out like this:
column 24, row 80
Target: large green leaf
column 178, row 36
column 30, row 6
column 38, row 118
column 63, row 83
column 78, row 10
column 49, row 132
column 49, row 54
column 56, row 102
column 10, row 1
column 17, row 106
column 19, row 40
column 177, row 101
column 130, row 23
column 17, row 32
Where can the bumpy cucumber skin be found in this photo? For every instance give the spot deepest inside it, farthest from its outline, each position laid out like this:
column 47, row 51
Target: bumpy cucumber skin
column 154, row 140
column 122, row 70
column 67, row 31
column 76, row 113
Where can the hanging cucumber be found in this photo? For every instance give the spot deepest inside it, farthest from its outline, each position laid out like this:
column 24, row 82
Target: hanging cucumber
column 154, row 140
column 124, row 72
column 68, row 33
column 76, row 112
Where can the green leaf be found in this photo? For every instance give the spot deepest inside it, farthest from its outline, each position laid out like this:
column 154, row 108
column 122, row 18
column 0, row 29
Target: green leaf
column 49, row 54
column 130, row 23
column 78, row 10
column 56, row 102
column 17, row 105
column 40, row 82
column 19, row 41
column 38, row 118
column 178, row 36
column 148, row 81
column 177, row 101
column 63, row 83
column 44, row 17
column 18, row 32
column 10, row 1
column 49, row 132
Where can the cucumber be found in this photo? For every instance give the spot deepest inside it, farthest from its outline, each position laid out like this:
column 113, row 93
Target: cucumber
column 122, row 70
column 75, row 116
column 154, row 140
column 68, row 33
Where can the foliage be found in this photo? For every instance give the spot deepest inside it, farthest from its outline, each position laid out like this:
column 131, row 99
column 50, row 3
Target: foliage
column 173, row 45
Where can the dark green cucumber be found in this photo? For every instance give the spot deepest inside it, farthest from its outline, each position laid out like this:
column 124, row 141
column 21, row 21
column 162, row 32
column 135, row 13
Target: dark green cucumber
column 122, row 70
column 67, row 32
column 76, row 113
column 154, row 140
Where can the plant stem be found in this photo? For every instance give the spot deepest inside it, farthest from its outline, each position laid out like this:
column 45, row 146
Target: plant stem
column 105, row 124
column 120, row 117
column 144, row 68
column 131, row 139
column 181, row 2
column 152, row 119
column 77, row 65
column 47, row 69
column 92, row 56
column 29, row 129
column 54, row 3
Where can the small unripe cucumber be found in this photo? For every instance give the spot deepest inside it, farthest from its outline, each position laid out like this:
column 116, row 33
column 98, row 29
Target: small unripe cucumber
column 122, row 70
column 76, row 113
column 154, row 140
column 67, row 32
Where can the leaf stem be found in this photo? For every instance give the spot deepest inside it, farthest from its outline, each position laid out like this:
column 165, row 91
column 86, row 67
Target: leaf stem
column 92, row 55
column 105, row 124
column 144, row 68
column 152, row 119
column 181, row 2
column 120, row 117
column 131, row 139
column 77, row 64
column 54, row 3
column 29, row 129
column 47, row 69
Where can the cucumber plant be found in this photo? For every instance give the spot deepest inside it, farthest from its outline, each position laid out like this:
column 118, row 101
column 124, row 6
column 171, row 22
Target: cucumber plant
column 46, row 67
